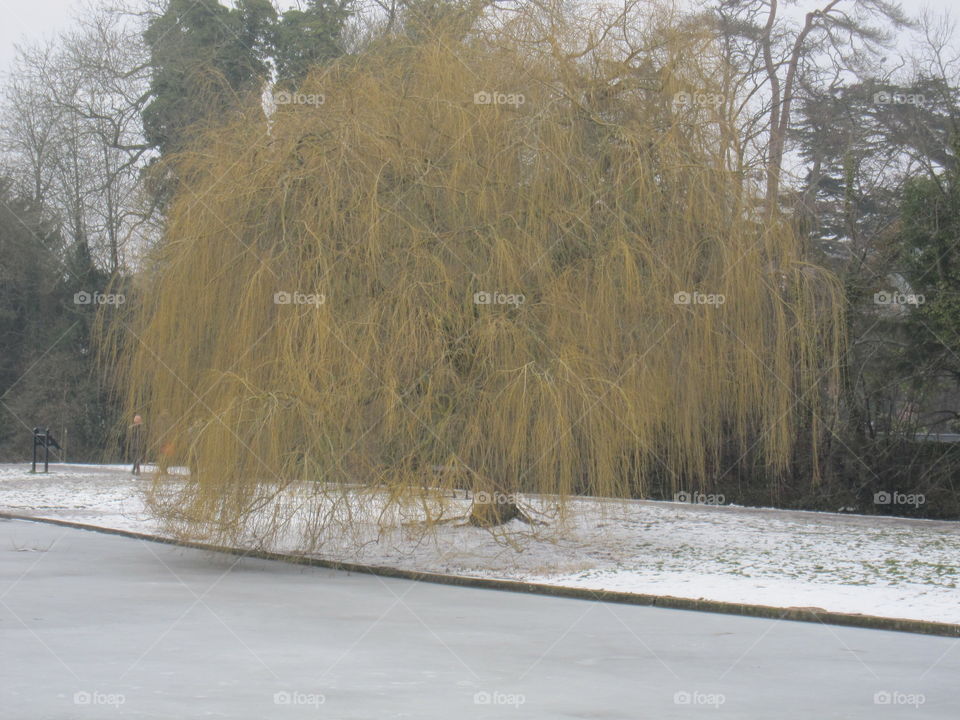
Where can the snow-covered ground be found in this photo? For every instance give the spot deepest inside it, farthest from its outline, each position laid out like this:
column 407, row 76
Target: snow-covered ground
column 845, row 563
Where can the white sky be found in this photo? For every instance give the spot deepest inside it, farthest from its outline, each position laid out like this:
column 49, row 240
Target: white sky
column 33, row 20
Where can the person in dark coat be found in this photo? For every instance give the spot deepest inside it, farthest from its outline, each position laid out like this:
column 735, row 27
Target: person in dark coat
column 136, row 442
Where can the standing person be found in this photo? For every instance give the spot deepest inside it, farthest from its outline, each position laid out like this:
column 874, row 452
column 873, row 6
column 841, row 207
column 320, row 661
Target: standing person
column 163, row 426
column 135, row 443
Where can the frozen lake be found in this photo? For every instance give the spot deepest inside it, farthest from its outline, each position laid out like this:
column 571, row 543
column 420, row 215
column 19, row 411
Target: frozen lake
column 100, row 626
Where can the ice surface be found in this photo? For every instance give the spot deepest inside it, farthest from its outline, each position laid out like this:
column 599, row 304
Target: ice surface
column 101, row 626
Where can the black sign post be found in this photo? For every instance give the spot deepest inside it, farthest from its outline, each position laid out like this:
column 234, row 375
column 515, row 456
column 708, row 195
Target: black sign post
column 43, row 438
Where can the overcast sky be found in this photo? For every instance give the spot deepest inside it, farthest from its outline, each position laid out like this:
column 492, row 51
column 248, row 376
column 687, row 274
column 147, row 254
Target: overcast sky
column 32, row 20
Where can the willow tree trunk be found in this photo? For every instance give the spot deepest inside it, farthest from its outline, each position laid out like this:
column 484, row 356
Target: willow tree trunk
column 490, row 509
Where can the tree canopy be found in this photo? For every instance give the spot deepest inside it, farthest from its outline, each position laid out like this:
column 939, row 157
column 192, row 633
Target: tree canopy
column 527, row 265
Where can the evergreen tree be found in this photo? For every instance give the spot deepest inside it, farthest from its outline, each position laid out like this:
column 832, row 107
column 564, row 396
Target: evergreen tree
column 204, row 56
column 305, row 38
column 47, row 371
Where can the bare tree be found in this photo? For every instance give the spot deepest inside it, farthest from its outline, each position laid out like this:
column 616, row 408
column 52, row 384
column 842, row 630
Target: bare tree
column 29, row 125
column 73, row 132
column 780, row 52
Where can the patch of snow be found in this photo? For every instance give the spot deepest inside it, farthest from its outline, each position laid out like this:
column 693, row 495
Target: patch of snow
column 893, row 567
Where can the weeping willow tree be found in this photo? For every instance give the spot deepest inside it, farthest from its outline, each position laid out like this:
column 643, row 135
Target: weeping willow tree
column 512, row 261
